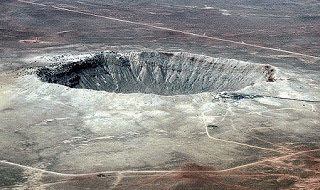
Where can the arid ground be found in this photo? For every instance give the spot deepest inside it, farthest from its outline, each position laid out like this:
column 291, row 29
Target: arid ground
column 185, row 94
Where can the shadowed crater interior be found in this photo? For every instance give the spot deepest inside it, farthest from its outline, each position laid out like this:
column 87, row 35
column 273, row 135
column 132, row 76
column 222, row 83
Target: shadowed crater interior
column 157, row 73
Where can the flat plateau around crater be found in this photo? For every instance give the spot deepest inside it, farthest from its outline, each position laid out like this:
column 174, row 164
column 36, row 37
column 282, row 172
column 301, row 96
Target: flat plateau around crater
column 159, row 95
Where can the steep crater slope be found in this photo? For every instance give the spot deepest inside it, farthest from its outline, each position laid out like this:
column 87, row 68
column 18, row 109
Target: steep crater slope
column 157, row 73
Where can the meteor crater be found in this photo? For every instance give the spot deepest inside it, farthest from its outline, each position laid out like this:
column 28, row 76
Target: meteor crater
column 157, row 73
